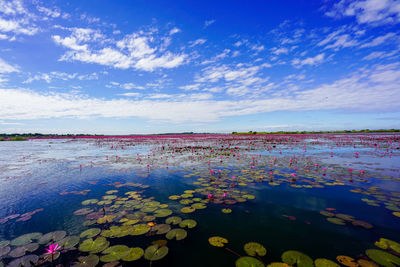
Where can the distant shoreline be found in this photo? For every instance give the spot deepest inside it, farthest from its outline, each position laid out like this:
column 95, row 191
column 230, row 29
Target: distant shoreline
column 27, row 136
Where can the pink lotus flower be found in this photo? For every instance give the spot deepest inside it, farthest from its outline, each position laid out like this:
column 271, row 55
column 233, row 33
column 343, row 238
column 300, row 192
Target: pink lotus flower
column 53, row 248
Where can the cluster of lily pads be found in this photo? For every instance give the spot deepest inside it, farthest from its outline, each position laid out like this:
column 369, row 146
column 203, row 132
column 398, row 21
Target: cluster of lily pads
column 387, row 256
column 20, row 250
column 131, row 215
column 342, row 219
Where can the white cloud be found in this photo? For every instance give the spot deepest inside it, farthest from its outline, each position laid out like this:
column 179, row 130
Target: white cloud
column 309, row 61
column 208, row 23
column 133, row 51
column 372, row 89
column 379, row 40
column 131, row 94
column 174, row 30
column 56, row 75
column 373, row 12
column 198, row 42
column 278, row 51
column 54, row 13
column 7, row 68
column 380, row 55
column 337, row 40
column 127, row 86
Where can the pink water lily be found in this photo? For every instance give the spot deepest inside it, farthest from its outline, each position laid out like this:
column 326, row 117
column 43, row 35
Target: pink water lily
column 53, row 248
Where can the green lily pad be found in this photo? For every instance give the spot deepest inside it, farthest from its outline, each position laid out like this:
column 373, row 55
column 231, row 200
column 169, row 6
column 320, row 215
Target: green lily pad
column 4, row 243
column 292, row 257
column 177, row 233
column 162, row 212
column 89, row 233
column 217, row 241
column 97, row 245
column 109, row 192
column 199, row 206
column 248, row 262
column 174, row 197
column 89, row 201
column 148, row 209
column 248, row 196
column 25, row 239
column 186, row 195
column 140, row 229
column 345, row 217
column 69, row 241
column 254, row 249
column 52, row 236
column 188, row 223
column 278, row 264
column 161, row 228
column 226, row 211
column 187, row 209
column 186, row 201
column 325, row 263
column 106, row 218
column 173, row 220
column 384, row 243
column 114, row 253
column 118, row 231
column 109, row 197
column 88, row 261
column 383, row 258
column 337, row 221
column 154, row 252
column 134, row 254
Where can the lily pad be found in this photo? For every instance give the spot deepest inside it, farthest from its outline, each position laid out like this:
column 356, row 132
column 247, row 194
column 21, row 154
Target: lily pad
column 161, row 228
column 248, row 262
column 325, row 263
column 69, row 241
column 383, row 258
column 20, row 251
column 187, row 209
column 25, row 239
column 365, row 263
column 199, row 206
column 337, row 221
column 4, row 251
column 292, row 257
column 154, row 252
column 114, row 253
column 105, row 219
column 97, row 245
column 188, row 223
column 134, row 254
column 217, row 241
column 173, row 220
column 384, row 243
column 345, row 217
column 89, row 201
column 347, row 261
column 162, row 212
column 89, row 233
column 24, row 261
column 140, row 229
column 226, row 211
column 89, row 261
column 248, row 196
column 52, row 236
column 176, row 233
column 174, row 197
column 255, row 249
column 4, row 243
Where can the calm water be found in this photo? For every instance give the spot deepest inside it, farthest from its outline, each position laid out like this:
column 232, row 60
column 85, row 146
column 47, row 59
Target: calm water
column 53, row 177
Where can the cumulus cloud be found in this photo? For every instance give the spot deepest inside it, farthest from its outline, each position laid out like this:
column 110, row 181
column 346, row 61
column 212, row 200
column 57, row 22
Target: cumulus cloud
column 132, row 51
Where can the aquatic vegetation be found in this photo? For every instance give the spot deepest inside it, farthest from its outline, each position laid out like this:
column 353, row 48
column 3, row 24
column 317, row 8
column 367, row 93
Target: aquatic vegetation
column 266, row 184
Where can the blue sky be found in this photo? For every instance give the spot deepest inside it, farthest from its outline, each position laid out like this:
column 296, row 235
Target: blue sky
column 125, row 67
